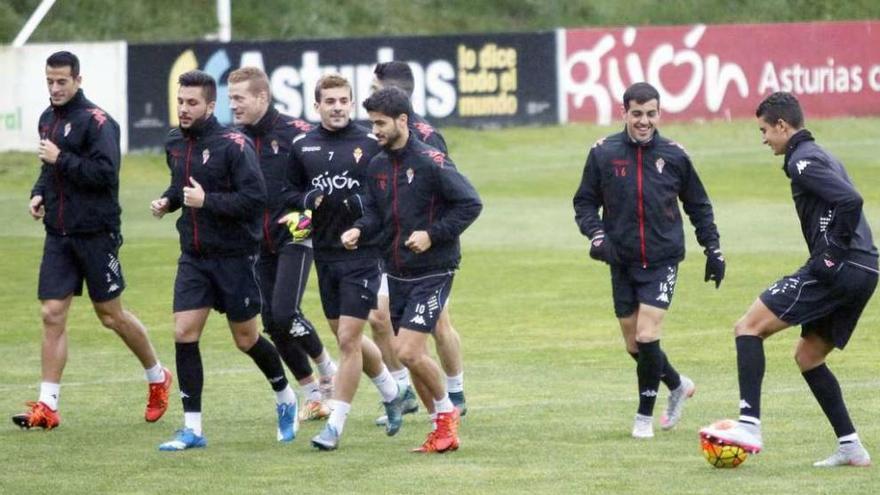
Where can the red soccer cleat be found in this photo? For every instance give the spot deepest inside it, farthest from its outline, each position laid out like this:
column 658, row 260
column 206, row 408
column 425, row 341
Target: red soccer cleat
column 444, row 438
column 39, row 416
column 157, row 401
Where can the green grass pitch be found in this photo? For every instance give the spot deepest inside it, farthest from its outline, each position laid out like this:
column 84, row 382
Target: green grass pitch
column 550, row 389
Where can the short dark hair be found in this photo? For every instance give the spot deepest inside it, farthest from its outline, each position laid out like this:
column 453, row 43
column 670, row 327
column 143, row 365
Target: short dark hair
column 391, row 101
column 641, row 92
column 64, row 59
column 781, row 105
column 397, row 74
column 330, row 81
column 197, row 78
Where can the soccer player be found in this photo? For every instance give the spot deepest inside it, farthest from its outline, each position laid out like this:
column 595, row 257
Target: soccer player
column 826, row 296
column 637, row 177
column 284, row 264
column 328, row 171
column 77, row 197
column 217, row 185
column 446, row 339
column 421, row 204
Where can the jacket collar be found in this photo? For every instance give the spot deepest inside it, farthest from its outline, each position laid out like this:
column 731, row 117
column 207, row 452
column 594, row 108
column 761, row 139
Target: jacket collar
column 323, row 131
column 265, row 124
column 799, row 137
column 78, row 101
column 400, row 152
column 648, row 144
column 201, row 129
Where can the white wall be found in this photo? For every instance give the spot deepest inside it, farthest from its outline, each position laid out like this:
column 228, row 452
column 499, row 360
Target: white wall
column 23, row 93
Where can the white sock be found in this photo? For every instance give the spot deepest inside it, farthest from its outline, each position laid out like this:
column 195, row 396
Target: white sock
column 326, row 367
column 433, row 421
column 285, row 396
column 386, row 384
column 455, row 383
column 402, row 377
column 750, row 420
column 444, row 405
column 193, row 421
column 851, row 438
column 49, row 393
column 311, row 390
column 338, row 414
column 155, row 374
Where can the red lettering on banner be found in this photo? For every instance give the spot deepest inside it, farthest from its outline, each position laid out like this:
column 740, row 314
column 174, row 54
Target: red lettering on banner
column 724, row 71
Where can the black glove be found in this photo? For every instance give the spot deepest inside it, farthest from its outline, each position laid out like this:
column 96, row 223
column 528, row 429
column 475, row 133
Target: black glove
column 715, row 265
column 354, row 205
column 602, row 249
column 825, row 265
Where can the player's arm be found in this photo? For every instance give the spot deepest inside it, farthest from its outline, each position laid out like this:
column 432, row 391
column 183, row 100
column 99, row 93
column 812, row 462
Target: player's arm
column 816, row 176
column 98, row 167
column 248, row 193
column 463, row 200
column 35, row 206
column 588, row 197
column 297, row 194
column 174, row 192
column 698, row 207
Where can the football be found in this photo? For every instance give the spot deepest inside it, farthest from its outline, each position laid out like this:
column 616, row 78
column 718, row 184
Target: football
column 721, row 455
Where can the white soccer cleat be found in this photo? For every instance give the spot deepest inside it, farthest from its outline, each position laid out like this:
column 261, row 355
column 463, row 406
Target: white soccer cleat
column 849, row 454
column 675, row 404
column 643, row 427
column 745, row 435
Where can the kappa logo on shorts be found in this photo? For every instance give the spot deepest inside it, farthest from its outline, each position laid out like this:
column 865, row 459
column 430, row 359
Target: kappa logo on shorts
column 418, row 320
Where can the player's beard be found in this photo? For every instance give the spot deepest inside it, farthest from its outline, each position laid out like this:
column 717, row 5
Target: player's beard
column 197, row 125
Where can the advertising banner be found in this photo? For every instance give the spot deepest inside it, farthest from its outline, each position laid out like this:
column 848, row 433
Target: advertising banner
column 468, row 80
column 722, row 71
column 25, row 95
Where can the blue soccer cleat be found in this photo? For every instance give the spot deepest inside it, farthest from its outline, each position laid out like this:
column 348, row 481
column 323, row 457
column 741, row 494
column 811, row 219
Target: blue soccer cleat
column 458, row 401
column 288, row 421
column 410, row 406
column 184, row 439
column 328, row 439
column 394, row 413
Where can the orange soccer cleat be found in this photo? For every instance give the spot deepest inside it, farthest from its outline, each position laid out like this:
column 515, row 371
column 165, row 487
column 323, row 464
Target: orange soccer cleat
column 39, row 416
column 444, row 438
column 157, row 401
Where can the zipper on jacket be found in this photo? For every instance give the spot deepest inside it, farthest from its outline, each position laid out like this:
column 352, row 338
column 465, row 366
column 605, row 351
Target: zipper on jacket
column 641, row 210
column 266, row 217
column 58, row 179
column 192, row 211
column 395, row 214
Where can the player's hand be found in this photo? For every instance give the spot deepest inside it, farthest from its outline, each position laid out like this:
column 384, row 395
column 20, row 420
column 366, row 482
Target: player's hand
column 48, row 152
column 419, row 241
column 602, row 249
column 159, row 207
column 36, row 208
column 715, row 265
column 194, row 196
column 350, row 238
column 354, row 205
column 299, row 224
column 825, row 265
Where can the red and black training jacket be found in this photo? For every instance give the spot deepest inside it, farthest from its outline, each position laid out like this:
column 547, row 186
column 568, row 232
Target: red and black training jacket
column 81, row 190
column 223, row 161
column 638, row 187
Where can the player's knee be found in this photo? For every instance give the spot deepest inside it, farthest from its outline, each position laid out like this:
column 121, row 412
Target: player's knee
column 52, row 317
column 349, row 344
column 111, row 321
column 410, row 355
column 379, row 319
column 807, row 358
column 746, row 327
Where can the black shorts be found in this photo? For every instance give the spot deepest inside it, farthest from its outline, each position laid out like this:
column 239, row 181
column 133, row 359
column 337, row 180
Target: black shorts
column 416, row 303
column 227, row 284
column 632, row 285
column 348, row 287
column 68, row 260
column 830, row 311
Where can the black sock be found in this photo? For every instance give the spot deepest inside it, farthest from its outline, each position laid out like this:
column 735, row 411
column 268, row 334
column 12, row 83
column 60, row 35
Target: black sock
column 649, row 368
column 669, row 376
column 190, row 375
column 292, row 354
column 825, row 388
column 266, row 356
column 750, row 367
